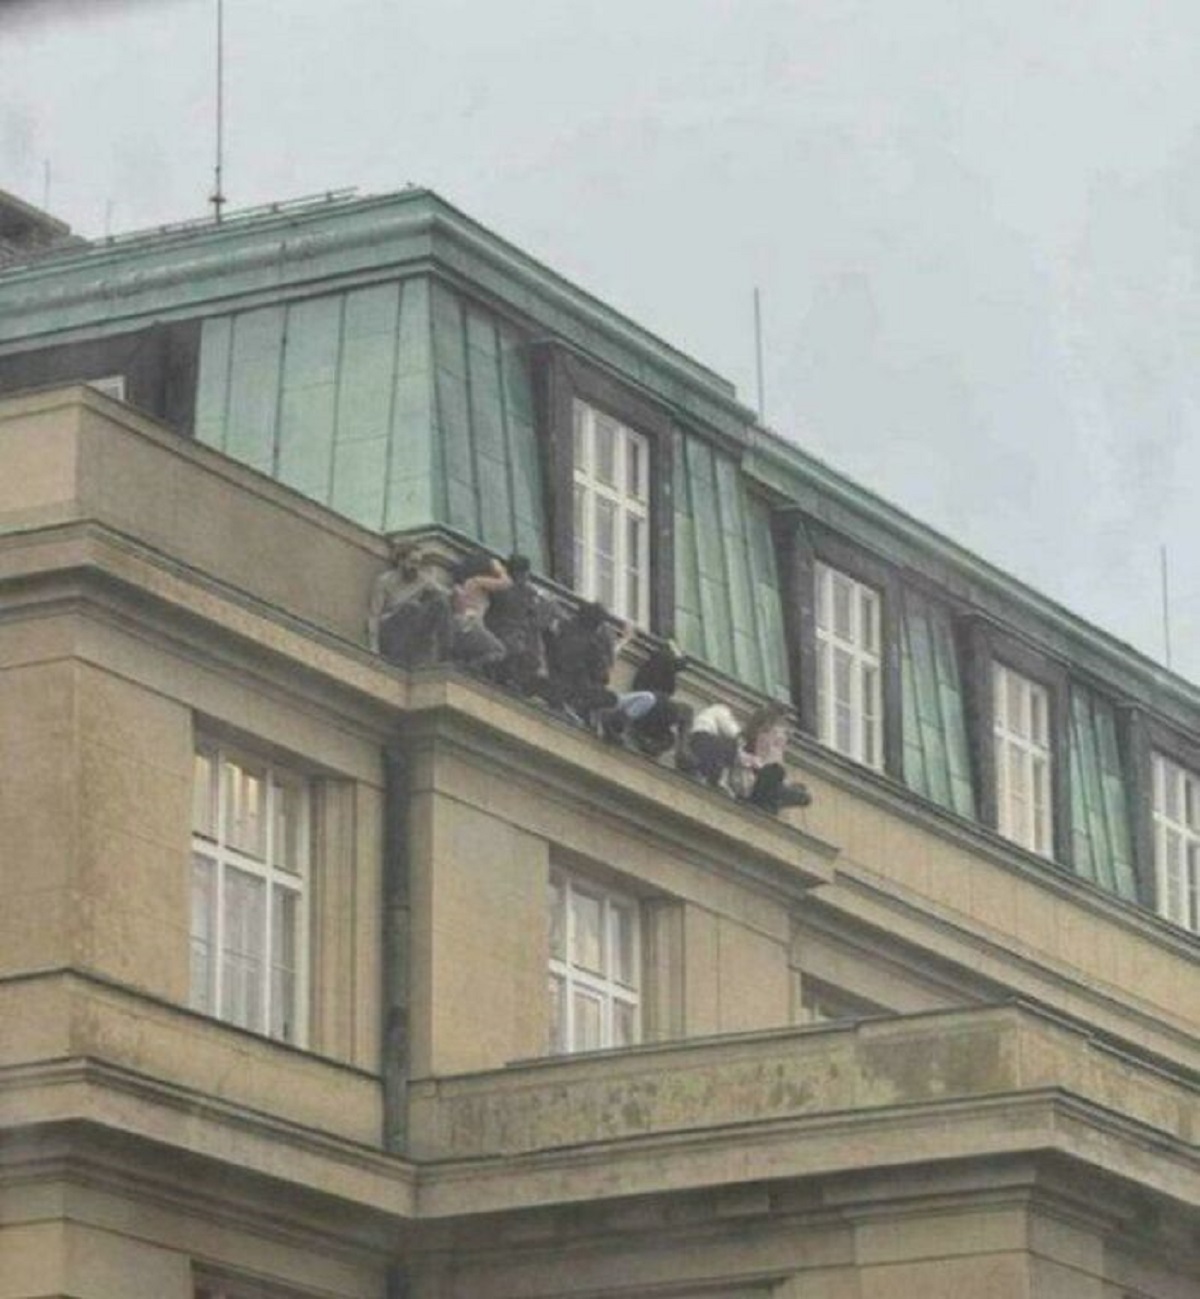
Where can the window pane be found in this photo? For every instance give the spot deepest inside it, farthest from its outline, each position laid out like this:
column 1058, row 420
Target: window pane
column 843, row 705
column 558, row 920
column 634, row 534
column 285, row 913
column 588, row 1011
column 204, row 795
column 867, row 607
column 1017, row 695
column 242, row 959
column 586, row 939
column 624, row 1024
column 634, row 471
column 822, row 588
column 843, row 596
column 290, row 829
column 605, row 551
column 203, row 933
column 1037, row 704
column 245, row 795
column 624, row 949
column 581, row 574
column 604, row 443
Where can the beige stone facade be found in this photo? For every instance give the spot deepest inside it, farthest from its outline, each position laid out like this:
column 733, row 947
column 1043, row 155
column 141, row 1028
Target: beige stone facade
column 1016, row 1117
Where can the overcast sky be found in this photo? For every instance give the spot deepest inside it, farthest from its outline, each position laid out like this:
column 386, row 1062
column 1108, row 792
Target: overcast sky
column 974, row 224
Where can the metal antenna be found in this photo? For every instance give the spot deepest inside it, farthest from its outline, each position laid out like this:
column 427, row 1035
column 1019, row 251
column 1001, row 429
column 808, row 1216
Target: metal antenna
column 1166, row 603
column 217, row 198
column 758, row 353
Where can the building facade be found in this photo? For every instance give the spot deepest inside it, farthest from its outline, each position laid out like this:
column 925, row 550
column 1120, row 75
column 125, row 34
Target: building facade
column 320, row 978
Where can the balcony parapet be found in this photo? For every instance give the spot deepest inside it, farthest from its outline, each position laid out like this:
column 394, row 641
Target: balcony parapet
column 944, row 1084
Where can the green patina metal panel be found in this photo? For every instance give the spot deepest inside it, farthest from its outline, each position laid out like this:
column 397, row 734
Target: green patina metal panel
column 934, row 725
column 1100, row 837
column 727, row 605
column 308, row 396
column 397, row 405
column 413, row 456
column 252, row 399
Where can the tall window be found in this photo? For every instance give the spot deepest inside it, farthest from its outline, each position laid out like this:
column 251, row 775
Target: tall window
column 250, row 869
column 1021, row 726
column 595, row 966
column 612, row 514
column 1177, row 842
column 849, row 677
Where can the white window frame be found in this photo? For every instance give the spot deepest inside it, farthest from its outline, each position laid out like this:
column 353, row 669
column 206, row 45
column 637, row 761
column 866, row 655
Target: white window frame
column 1176, row 841
column 1024, row 758
column 628, row 498
column 213, row 845
column 860, row 646
column 570, row 980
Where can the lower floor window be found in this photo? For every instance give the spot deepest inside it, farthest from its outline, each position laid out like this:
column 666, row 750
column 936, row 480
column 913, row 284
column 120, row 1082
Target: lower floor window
column 595, row 966
column 249, row 875
column 1177, row 842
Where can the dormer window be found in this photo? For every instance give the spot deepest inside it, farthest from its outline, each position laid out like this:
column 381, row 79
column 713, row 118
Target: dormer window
column 849, row 667
column 1176, row 810
column 1021, row 733
column 612, row 514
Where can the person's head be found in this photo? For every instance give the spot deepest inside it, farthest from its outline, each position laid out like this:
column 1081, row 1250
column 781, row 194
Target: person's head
column 518, row 567
column 476, row 564
column 763, row 719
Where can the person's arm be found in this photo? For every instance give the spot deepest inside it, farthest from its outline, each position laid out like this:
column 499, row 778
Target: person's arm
column 498, row 581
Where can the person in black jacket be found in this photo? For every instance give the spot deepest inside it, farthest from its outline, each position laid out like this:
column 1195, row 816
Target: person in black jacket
column 520, row 616
column 668, row 721
column 581, row 654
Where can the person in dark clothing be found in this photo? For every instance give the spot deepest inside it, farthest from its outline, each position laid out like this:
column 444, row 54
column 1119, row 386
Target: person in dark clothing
column 519, row 615
column 669, row 720
column 581, row 654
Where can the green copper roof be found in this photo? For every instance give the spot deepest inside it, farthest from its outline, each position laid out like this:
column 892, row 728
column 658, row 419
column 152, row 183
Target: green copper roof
column 397, row 404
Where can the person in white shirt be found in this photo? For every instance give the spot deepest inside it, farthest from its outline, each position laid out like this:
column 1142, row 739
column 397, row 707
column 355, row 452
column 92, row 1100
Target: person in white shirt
column 713, row 745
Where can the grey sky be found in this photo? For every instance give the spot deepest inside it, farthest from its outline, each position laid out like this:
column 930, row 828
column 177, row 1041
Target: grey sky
column 975, row 224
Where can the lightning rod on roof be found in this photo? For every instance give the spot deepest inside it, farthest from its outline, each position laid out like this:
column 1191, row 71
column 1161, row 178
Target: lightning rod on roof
column 1166, row 604
column 217, row 197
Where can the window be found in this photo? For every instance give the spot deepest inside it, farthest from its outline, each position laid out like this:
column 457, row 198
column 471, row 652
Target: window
column 849, row 676
column 595, row 966
column 111, row 385
column 1021, row 731
column 612, row 514
column 250, row 868
column 1176, row 811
